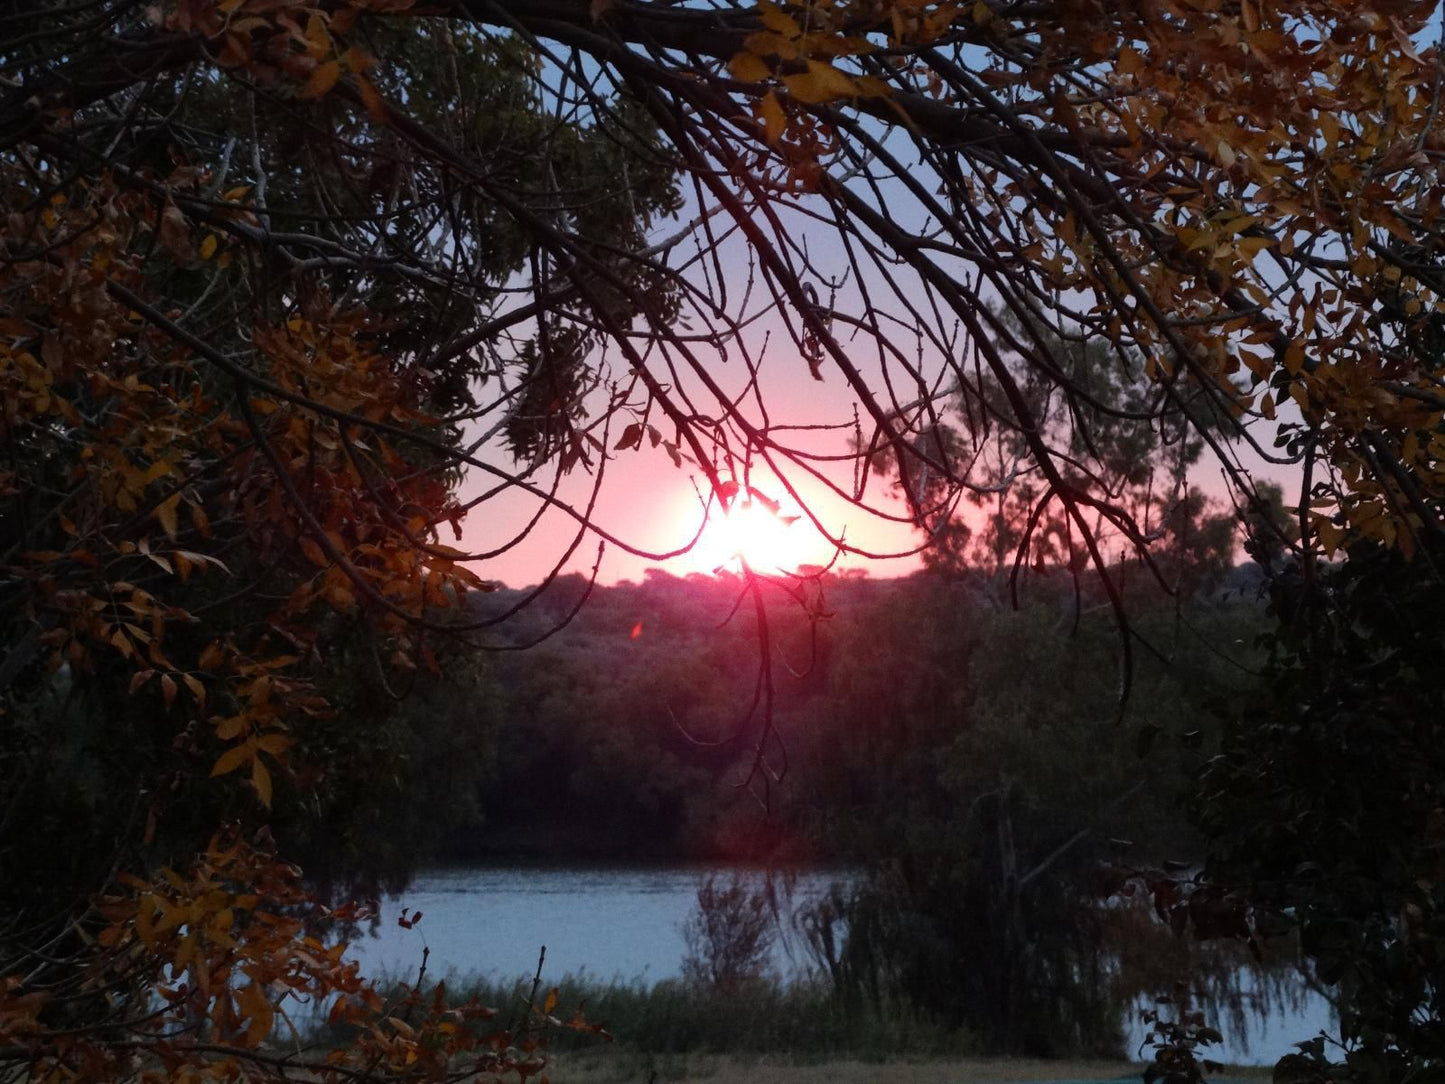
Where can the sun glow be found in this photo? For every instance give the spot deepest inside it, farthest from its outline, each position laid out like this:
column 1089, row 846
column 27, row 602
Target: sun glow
column 768, row 539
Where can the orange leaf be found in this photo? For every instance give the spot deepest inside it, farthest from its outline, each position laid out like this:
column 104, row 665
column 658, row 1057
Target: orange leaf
column 257, row 1009
column 322, row 79
column 778, row 21
column 166, row 514
column 234, row 757
column 749, row 68
column 773, row 118
column 372, row 99
column 197, row 689
column 821, row 83
column 261, row 780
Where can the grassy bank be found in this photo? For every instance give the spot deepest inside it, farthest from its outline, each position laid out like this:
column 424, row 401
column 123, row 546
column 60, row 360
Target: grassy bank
column 796, row 1020
column 673, row 1032
column 630, row 1067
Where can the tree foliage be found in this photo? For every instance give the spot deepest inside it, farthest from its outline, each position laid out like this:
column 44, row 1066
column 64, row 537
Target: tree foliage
column 992, row 819
column 1324, row 806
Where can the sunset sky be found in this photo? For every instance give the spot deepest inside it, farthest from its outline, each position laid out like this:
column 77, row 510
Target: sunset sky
column 653, row 505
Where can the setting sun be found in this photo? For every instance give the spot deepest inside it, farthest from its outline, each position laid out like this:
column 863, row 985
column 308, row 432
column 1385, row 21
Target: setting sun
column 768, row 540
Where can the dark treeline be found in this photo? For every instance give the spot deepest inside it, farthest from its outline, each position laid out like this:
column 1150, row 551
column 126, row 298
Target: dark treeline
column 633, row 730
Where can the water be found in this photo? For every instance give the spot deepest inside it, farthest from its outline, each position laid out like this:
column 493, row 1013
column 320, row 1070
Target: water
column 625, row 924
column 609, row 923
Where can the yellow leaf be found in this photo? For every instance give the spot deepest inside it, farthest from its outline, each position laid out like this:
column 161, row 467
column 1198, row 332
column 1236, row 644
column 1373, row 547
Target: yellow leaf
column 822, row 83
column 274, row 743
column 208, row 246
column 261, row 780
column 257, row 1009
column 773, row 118
column 200, row 519
column 230, row 727
column 766, row 43
column 372, row 99
column 749, row 67
column 211, row 656
column 317, row 39
column 197, row 689
column 322, row 79
column 166, row 514
column 778, row 21
column 234, row 757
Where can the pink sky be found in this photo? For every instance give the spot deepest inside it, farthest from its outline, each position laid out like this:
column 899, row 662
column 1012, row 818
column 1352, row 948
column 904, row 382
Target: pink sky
column 653, row 505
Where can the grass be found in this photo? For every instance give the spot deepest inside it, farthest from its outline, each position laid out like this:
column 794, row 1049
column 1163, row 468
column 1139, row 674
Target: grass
column 796, row 1020
column 673, row 1032
column 629, row 1067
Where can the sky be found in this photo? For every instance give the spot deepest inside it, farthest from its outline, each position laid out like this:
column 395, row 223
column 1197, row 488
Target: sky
column 654, row 505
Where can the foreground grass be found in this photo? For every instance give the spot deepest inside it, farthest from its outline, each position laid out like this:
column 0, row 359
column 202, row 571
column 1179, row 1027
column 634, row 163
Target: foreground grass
column 672, row 1032
column 629, row 1067
column 796, row 1020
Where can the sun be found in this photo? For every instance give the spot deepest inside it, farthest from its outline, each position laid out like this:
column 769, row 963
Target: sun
column 766, row 537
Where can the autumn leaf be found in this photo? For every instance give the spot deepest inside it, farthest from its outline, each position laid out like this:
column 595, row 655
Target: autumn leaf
column 257, row 1011
column 165, row 514
column 749, row 68
column 261, row 780
column 210, row 656
column 322, row 79
column 821, row 83
column 778, row 21
column 774, row 120
column 234, row 758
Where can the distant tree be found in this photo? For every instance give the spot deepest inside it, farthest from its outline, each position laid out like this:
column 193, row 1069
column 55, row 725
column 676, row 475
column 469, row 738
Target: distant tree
column 1085, row 403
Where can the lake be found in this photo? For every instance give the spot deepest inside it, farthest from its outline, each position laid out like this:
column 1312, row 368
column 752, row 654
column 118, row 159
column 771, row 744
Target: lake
column 612, row 923
column 625, row 923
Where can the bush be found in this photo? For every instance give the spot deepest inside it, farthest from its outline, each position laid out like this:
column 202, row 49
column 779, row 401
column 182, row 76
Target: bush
column 729, row 934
